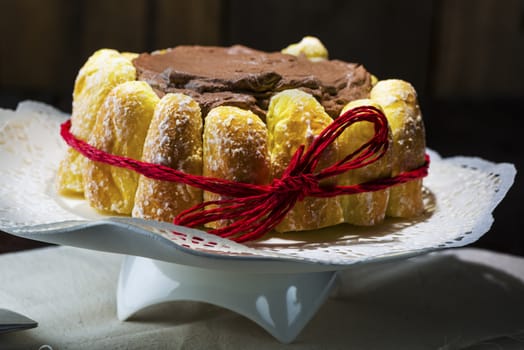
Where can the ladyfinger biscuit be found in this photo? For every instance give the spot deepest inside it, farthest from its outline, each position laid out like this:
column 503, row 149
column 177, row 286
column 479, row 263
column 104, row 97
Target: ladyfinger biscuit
column 235, row 148
column 399, row 102
column 104, row 70
column 120, row 129
column 174, row 139
column 295, row 118
column 309, row 46
column 369, row 208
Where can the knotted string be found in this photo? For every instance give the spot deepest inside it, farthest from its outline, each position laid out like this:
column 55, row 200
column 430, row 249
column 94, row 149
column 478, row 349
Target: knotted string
column 253, row 210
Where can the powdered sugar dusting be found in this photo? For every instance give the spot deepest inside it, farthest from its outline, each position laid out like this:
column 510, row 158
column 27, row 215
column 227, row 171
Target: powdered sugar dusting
column 235, row 145
column 174, row 139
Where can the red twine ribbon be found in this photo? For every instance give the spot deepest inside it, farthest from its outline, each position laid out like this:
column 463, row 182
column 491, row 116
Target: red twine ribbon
column 256, row 209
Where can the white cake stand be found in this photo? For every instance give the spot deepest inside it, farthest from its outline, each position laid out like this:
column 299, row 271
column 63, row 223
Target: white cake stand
column 281, row 303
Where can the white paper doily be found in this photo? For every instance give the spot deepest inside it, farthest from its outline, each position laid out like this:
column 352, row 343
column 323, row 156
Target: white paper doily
column 461, row 194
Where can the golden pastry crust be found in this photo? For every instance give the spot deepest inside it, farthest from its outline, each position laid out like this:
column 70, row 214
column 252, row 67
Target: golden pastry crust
column 294, row 118
column 121, row 126
column 174, row 139
column 235, row 148
column 369, row 208
column 399, row 102
column 104, row 70
column 309, row 46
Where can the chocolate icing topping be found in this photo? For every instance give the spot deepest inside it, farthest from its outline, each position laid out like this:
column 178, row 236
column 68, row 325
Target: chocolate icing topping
column 247, row 78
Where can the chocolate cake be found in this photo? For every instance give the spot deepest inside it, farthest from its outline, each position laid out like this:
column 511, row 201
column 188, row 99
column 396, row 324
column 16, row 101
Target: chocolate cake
column 239, row 114
column 247, row 78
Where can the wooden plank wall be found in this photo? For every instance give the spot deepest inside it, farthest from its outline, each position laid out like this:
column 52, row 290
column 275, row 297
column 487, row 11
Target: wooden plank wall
column 48, row 41
column 479, row 49
column 446, row 48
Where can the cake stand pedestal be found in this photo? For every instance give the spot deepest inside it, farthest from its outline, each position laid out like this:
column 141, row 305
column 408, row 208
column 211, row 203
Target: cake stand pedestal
column 281, row 303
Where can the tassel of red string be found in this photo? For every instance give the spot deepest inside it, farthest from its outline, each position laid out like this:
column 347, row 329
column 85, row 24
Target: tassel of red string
column 253, row 210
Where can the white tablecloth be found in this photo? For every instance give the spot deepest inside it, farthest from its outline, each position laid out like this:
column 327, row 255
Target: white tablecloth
column 452, row 299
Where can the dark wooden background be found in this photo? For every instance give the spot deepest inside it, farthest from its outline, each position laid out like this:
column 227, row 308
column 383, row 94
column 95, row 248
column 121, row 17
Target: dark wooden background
column 465, row 58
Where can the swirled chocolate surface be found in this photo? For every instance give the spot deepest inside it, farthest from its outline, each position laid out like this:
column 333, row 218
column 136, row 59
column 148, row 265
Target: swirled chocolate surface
column 247, row 78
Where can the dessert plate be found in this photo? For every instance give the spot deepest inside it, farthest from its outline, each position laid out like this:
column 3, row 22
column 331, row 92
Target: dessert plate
column 296, row 269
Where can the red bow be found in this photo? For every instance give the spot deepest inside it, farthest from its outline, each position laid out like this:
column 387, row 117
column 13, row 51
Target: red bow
column 256, row 209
